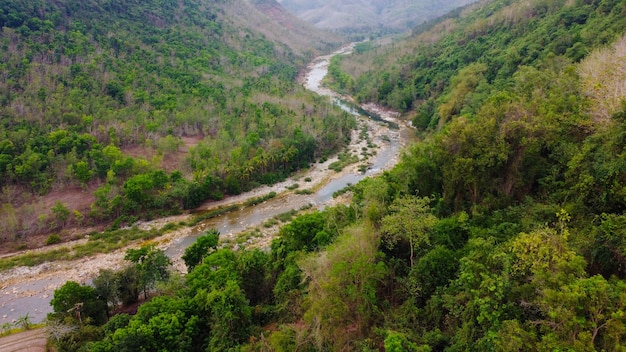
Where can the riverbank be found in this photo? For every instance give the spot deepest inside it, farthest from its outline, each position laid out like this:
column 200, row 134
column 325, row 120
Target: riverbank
column 27, row 290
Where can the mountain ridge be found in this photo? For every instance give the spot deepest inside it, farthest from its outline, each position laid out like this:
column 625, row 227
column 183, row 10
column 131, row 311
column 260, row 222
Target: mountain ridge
column 369, row 15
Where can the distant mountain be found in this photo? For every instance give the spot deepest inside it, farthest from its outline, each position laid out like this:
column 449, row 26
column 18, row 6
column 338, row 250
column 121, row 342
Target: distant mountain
column 279, row 25
column 365, row 15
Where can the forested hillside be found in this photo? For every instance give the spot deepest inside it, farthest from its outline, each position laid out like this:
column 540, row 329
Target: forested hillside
column 111, row 109
column 456, row 62
column 502, row 230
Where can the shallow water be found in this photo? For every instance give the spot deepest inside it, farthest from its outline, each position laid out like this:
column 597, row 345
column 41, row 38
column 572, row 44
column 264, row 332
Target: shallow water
column 240, row 220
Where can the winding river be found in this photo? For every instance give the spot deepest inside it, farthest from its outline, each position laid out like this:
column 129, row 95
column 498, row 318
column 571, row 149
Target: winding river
column 29, row 290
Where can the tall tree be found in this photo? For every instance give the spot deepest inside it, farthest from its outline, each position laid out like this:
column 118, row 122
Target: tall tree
column 410, row 219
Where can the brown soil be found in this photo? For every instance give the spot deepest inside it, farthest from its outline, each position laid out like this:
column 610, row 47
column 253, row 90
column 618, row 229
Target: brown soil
column 73, row 197
column 170, row 161
column 26, row 341
column 78, row 198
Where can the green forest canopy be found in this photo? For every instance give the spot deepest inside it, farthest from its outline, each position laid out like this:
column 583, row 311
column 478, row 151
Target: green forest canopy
column 109, row 95
column 512, row 212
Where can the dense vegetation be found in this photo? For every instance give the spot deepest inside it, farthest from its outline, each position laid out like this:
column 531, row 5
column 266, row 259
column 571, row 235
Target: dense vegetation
column 451, row 66
column 504, row 230
column 150, row 106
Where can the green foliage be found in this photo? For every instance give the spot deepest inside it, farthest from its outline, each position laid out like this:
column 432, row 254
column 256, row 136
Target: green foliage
column 342, row 290
column 229, row 317
column 306, row 232
column 435, row 269
column 345, row 159
column 127, row 283
column 61, row 213
column 397, row 342
column 499, row 37
column 24, row 322
column 106, row 286
column 200, row 248
column 78, row 302
column 256, row 276
column 115, row 81
column 501, row 230
column 53, row 239
column 152, row 266
column 259, row 200
column 411, row 220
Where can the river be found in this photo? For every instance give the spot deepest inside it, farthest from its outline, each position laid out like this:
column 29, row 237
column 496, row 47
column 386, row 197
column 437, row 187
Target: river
column 29, row 290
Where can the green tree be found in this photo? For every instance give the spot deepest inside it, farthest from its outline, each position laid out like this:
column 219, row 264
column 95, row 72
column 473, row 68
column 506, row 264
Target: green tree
column 306, row 232
column 410, row 219
column 106, row 287
column 80, row 302
column 128, row 284
column 342, row 289
column 373, row 195
column 215, row 271
column 229, row 316
column 397, row 342
column 586, row 314
column 200, row 248
column 152, row 266
column 82, row 171
column 61, row 213
column 434, row 269
column 256, row 276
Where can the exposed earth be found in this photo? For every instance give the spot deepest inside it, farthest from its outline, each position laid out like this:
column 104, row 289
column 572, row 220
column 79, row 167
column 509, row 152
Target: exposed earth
column 26, row 341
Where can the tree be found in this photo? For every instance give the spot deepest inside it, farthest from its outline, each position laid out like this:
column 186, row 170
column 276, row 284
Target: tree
column 61, row 213
column 342, row 290
column 128, row 284
column 106, row 287
column 603, row 74
column 80, row 302
column 372, row 196
column 229, row 316
column 215, row 271
column 397, row 342
column 82, row 172
column 585, row 314
column 254, row 268
column 435, row 269
column 410, row 219
column 306, row 232
column 152, row 266
column 200, row 248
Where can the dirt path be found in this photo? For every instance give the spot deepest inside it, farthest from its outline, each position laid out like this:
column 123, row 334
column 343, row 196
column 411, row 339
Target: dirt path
column 26, row 341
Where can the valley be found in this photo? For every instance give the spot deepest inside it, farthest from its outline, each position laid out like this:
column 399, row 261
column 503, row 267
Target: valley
column 257, row 209
column 28, row 290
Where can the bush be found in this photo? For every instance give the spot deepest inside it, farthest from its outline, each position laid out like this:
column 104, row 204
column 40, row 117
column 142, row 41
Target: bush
column 53, row 239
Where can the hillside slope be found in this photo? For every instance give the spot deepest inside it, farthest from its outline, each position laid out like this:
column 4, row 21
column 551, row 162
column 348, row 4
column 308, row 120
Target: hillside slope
column 502, row 229
column 113, row 109
column 503, row 35
column 369, row 15
column 277, row 24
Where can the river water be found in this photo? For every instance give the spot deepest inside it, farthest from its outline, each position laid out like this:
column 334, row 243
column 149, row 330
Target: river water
column 32, row 295
column 386, row 156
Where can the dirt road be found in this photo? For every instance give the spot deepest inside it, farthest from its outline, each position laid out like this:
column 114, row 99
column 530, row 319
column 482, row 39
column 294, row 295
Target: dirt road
column 27, row 341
